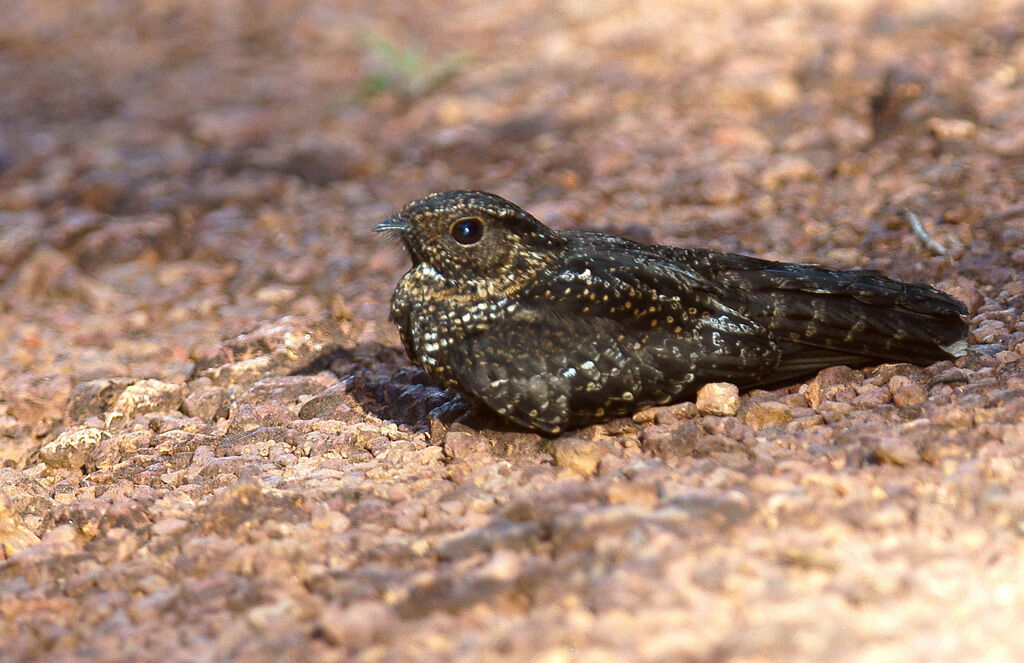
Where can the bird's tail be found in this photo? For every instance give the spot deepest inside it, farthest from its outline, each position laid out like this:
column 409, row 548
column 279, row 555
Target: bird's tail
column 824, row 317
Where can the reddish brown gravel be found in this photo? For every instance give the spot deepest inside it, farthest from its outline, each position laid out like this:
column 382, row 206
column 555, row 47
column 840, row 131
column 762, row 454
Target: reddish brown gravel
column 213, row 448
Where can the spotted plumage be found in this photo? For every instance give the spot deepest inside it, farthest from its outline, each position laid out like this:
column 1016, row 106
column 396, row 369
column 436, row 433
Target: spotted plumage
column 553, row 330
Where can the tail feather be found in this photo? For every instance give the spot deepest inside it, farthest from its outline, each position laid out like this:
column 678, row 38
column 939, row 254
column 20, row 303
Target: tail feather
column 825, row 317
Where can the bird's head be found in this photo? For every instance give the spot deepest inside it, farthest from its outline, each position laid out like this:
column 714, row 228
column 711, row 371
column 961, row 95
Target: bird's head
column 472, row 237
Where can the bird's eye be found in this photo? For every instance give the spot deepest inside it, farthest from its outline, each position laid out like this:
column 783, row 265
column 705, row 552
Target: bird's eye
column 468, row 231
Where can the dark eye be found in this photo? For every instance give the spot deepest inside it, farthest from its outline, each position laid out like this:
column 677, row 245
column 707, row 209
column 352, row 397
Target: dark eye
column 468, row 231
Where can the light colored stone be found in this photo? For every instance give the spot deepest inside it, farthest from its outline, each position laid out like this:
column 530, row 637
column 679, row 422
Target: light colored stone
column 721, row 398
column 71, row 447
column 763, row 415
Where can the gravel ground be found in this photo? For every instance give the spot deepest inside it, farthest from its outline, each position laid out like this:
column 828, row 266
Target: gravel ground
column 212, row 446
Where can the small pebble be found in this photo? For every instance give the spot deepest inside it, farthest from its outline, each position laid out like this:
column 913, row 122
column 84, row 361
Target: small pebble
column 720, row 398
column 905, row 392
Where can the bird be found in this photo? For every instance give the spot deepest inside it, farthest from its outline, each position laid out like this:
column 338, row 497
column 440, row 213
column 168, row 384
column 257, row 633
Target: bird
column 554, row 330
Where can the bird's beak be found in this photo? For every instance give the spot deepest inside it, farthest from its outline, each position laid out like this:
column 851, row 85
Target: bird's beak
column 395, row 223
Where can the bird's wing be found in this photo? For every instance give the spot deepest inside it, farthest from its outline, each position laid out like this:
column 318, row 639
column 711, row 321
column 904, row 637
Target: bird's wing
column 682, row 318
column 822, row 317
column 593, row 343
column 528, row 371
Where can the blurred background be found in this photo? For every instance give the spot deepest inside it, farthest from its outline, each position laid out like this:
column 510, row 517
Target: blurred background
column 174, row 172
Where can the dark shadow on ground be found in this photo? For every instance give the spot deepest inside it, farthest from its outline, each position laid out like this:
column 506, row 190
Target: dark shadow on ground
column 379, row 379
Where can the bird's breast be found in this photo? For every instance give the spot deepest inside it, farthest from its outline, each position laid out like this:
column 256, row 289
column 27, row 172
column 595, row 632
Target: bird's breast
column 433, row 318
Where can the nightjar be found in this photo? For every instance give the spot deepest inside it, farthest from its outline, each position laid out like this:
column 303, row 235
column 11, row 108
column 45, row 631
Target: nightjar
column 554, row 330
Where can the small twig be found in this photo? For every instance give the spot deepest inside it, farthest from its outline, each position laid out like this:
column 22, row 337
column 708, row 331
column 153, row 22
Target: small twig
column 917, row 228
